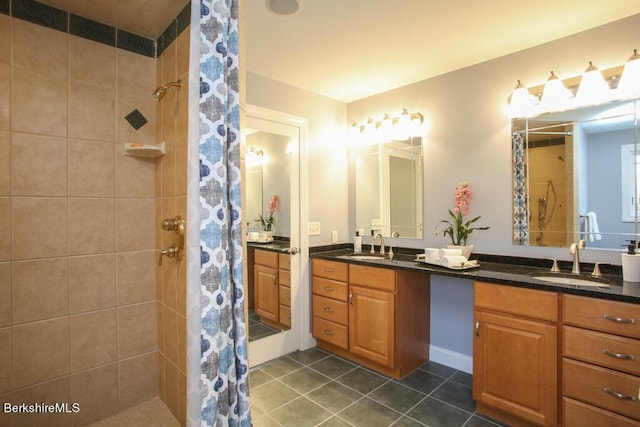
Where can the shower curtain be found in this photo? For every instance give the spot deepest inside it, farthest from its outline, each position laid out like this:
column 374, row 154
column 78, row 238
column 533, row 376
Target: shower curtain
column 221, row 388
column 520, row 212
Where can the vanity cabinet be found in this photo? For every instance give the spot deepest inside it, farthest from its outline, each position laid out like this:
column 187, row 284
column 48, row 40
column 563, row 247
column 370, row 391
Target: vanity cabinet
column 378, row 317
column 284, row 290
column 272, row 291
column 515, row 354
column 600, row 362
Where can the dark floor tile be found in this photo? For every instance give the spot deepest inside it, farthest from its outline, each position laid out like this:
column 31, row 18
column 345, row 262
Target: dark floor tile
column 258, row 330
column 368, row 412
column 397, row 396
column 257, row 377
column 438, row 414
column 309, row 356
column 477, row 421
column 280, row 367
column 438, row 369
column 334, row 396
column 422, row 381
column 332, row 366
column 272, row 395
column 456, row 394
column 300, row 413
column 335, row 422
column 362, row 380
column 263, row 421
column 407, row 422
column 304, row 380
column 463, row 378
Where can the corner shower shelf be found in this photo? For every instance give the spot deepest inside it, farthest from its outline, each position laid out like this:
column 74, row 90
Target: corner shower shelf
column 144, row 150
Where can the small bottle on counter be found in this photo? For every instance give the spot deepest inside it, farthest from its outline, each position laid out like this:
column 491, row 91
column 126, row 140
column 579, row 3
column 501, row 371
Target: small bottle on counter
column 357, row 243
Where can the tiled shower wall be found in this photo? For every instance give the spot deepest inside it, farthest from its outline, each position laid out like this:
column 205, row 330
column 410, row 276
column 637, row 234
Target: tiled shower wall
column 171, row 190
column 78, row 309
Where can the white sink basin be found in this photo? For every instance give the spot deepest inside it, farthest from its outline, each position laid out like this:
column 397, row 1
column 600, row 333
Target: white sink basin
column 571, row 281
column 366, row 257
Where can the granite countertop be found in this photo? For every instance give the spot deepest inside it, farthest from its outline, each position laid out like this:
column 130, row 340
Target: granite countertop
column 506, row 270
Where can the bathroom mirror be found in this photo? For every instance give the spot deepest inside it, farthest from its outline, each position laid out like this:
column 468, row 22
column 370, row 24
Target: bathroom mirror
column 575, row 176
column 388, row 179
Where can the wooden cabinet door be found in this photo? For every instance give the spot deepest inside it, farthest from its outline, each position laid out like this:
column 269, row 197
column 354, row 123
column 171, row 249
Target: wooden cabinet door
column 515, row 366
column 266, row 292
column 372, row 324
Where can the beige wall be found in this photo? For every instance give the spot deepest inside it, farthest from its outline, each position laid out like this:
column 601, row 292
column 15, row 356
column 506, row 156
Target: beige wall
column 171, row 192
column 77, row 279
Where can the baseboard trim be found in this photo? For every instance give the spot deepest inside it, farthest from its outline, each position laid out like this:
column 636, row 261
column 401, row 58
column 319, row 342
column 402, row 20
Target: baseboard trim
column 452, row 359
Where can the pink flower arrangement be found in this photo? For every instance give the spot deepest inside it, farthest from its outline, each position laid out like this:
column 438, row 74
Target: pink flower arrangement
column 267, row 221
column 457, row 228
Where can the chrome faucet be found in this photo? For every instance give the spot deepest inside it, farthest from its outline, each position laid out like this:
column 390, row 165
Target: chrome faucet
column 381, row 242
column 574, row 250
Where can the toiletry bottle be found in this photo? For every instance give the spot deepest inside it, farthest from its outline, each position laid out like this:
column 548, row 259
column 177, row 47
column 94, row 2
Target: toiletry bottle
column 357, row 243
column 631, row 263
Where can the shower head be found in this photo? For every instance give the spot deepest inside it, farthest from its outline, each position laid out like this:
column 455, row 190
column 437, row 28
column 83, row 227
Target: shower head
column 162, row 90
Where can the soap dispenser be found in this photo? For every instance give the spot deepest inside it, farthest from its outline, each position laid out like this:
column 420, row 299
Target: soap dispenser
column 631, row 263
column 357, row 243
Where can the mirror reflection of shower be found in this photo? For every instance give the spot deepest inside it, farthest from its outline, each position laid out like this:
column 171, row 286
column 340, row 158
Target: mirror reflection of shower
column 161, row 91
column 545, row 214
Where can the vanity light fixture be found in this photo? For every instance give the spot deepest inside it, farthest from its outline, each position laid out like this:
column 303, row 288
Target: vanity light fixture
column 594, row 87
column 387, row 129
column 255, row 157
column 629, row 85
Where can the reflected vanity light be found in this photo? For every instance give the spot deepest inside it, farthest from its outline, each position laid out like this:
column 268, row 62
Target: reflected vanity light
column 592, row 89
column 387, row 129
column 255, row 157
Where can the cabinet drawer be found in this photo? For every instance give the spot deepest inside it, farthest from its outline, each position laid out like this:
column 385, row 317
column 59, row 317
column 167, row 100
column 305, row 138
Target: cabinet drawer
column 330, row 332
column 284, row 296
column 270, row 259
column 330, row 288
column 330, row 269
column 519, row 301
column 372, row 277
column 285, row 315
column 330, row 309
column 284, row 277
column 284, row 261
column 607, row 350
column 580, row 414
column 610, row 316
column 589, row 383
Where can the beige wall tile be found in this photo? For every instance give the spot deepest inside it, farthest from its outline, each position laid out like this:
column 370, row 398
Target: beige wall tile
column 170, row 282
column 170, row 339
column 55, row 391
column 91, row 111
column 161, row 376
column 136, row 276
column 172, row 388
column 133, row 229
column 6, row 418
column 137, row 327
column 5, row 171
column 41, row 351
column 5, row 294
column 5, row 38
column 5, row 218
column 135, row 73
column 183, row 400
column 40, row 289
column 182, row 108
column 39, row 227
column 181, row 287
column 169, row 63
column 169, row 167
column 91, row 61
column 135, row 175
column 91, row 226
column 38, row 165
column 39, row 103
column 181, row 165
column 5, row 81
column 182, row 344
column 96, row 391
column 160, row 310
column 93, row 339
column 92, row 283
column 183, row 43
column 126, row 103
column 91, row 169
column 6, row 366
column 40, row 49
column 138, row 379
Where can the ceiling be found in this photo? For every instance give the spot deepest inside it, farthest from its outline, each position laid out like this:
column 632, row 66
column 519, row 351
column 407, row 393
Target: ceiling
column 351, row 49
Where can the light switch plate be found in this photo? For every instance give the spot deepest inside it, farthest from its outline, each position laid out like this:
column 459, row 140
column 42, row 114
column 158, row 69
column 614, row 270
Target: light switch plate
column 334, row 236
column 314, row 229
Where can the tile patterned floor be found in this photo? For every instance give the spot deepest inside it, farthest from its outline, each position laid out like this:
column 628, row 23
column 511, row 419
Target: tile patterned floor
column 257, row 329
column 152, row 413
column 316, row 388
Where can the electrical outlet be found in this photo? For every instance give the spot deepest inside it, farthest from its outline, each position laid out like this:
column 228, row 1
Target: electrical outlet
column 334, row 236
column 314, row 229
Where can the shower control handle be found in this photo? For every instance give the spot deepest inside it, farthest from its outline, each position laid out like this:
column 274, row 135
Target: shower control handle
column 171, row 252
column 176, row 224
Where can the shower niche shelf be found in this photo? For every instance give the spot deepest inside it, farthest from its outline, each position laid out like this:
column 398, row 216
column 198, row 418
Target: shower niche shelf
column 144, row 150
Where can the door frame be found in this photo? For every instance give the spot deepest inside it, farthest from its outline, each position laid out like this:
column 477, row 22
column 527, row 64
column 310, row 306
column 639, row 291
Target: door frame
column 299, row 336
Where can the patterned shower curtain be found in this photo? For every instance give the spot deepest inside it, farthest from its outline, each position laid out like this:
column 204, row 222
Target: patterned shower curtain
column 224, row 366
column 520, row 211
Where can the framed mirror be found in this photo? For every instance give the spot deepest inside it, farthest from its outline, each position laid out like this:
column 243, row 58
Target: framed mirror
column 389, row 183
column 575, row 176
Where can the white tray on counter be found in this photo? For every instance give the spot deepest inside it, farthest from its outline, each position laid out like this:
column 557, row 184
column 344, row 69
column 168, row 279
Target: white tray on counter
column 467, row 266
